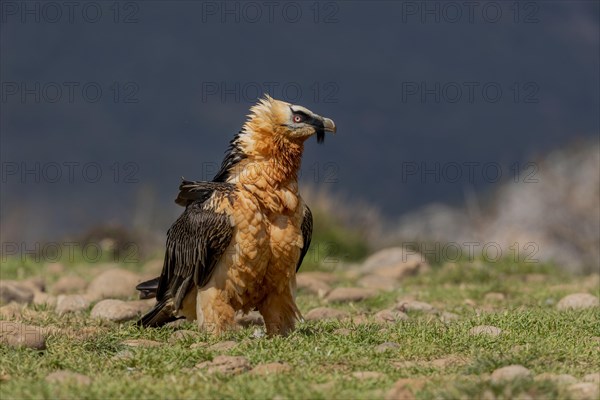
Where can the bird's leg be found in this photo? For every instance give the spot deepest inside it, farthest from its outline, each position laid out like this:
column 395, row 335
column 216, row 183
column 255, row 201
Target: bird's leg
column 279, row 312
column 214, row 313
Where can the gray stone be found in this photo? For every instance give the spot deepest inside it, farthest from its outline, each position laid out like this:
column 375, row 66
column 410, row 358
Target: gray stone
column 113, row 283
column 510, row 373
column 223, row 346
column 584, row 391
column 578, row 301
column 15, row 291
column 324, row 313
column 390, row 316
column 69, row 284
column 115, row 310
column 71, row 303
column 312, row 285
column 15, row 334
column 413, row 305
column 226, row 365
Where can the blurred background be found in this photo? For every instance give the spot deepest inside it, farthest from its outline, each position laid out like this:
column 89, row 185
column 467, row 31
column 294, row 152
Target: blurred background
column 464, row 129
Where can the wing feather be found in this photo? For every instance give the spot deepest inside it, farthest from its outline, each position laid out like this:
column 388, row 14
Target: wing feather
column 307, row 228
column 195, row 243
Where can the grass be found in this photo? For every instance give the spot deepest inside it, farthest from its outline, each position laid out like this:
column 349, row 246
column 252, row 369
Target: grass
column 449, row 362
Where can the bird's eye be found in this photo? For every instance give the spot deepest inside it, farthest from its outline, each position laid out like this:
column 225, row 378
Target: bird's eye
column 297, row 118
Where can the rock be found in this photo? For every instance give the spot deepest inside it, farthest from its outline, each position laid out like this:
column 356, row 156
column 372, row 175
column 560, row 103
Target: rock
column 342, row 332
column 344, row 294
column 485, row 330
column 326, row 277
column 312, row 285
column 390, row 316
column 69, row 284
column 223, row 346
column 227, row 365
column 70, row 303
column 377, row 282
column 510, row 373
column 387, row 346
column 271, row 368
column 142, row 306
column 44, row 299
column 114, row 283
column 184, row 335
column 584, row 391
column 15, row 291
column 68, row 376
column 324, row 313
column 141, row 343
column 494, row 297
column 15, row 334
column 559, row 379
column 448, row 317
column 11, row 311
column 37, row 284
column 367, row 375
column 578, row 301
column 356, row 319
column 253, row 318
column 594, row 378
column 198, row 345
column 403, row 389
column 115, row 310
column 395, row 263
column 413, row 305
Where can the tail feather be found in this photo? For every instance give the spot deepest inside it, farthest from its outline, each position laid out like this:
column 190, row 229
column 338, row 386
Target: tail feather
column 148, row 289
column 161, row 313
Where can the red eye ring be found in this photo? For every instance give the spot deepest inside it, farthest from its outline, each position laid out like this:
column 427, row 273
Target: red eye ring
column 297, row 118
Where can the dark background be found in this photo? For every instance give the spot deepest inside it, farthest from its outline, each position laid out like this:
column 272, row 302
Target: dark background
column 178, row 77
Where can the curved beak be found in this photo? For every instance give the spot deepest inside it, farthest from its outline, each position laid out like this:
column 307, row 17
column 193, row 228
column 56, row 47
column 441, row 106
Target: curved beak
column 329, row 125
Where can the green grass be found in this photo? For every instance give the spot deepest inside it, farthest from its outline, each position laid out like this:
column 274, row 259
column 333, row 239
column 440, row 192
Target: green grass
column 536, row 336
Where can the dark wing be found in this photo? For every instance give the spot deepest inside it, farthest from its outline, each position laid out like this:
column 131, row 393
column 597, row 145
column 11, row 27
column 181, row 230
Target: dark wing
column 148, row 289
column 195, row 243
column 190, row 191
column 307, row 227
